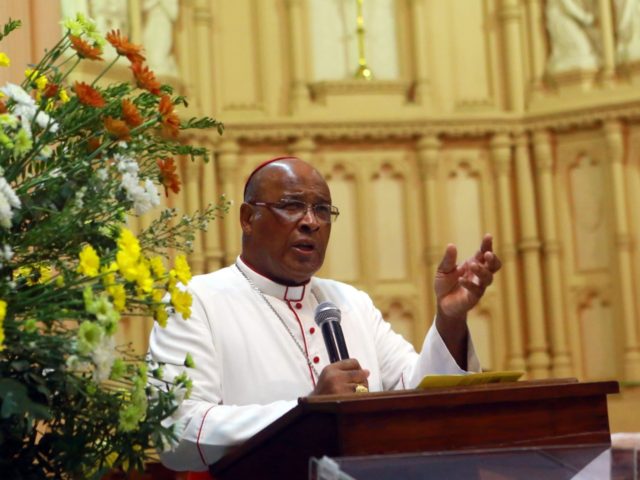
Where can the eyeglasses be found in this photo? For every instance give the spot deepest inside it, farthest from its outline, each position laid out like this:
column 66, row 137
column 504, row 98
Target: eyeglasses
column 294, row 210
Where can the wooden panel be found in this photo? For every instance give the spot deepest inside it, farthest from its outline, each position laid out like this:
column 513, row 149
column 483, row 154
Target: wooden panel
column 241, row 89
column 389, row 212
column 519, row 414
column 342, row 261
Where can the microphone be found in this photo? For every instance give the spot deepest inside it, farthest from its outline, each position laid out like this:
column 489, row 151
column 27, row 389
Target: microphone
column 328, row 319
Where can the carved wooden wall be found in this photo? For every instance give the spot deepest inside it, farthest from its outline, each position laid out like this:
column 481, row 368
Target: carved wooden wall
column 484, row 125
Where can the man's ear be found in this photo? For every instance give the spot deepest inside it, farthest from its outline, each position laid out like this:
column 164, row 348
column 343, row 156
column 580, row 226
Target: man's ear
column 246, row 218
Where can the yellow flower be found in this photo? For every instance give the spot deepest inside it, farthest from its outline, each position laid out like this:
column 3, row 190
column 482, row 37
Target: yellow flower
column 181, row 269
column 63, row 96
column 5, row 61
column 3, row 313
column 129, row 243
column 157, row 267
column 89, row 262
column 46, row 272
column 36, row 77
column 109, row 274
column 181, row 301
column 119, row 295
column 157, row 295
column 128, row 265
column 161, row 316
column 24, row 272
column 143, row 278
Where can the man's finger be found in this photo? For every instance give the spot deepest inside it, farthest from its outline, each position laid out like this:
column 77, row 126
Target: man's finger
column 448, row 263
column 358, row 377
column 484, row 274
column 492, row 262
column 485, row 246
column 347, row 364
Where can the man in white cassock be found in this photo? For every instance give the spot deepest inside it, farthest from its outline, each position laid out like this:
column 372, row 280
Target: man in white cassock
column 252, row 333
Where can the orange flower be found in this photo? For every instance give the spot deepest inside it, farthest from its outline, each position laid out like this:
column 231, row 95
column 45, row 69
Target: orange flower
column 93, row 144
column 88, row 95
column 124, row 47
column 84, row 49
column 170, row 121
column 51, row 90
column 130, row 113
column 168, row 176
column 145, row 78
column 118, row 128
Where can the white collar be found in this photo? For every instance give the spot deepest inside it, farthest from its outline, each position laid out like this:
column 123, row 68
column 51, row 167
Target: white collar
column 271, row 288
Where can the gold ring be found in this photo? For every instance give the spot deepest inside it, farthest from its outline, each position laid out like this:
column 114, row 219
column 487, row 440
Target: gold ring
column 361, row 388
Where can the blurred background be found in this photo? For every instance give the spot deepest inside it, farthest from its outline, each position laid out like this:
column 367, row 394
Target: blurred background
column 434, row 122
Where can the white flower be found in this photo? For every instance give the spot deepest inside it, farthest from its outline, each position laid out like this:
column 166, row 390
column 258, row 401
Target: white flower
column 5, row 212
column 102, row 174
column 8, row 201
column 43, row 120
column 79, row 199
column 18, row 95
column 103, row 357
column 6, row 253
column 143, row 198
column 27, row 109
column 127, row 165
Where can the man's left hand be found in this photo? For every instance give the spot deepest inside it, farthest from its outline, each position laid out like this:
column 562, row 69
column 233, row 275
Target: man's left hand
column 459, row 288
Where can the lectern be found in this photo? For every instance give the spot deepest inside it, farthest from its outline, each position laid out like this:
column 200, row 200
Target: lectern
column 519, row 414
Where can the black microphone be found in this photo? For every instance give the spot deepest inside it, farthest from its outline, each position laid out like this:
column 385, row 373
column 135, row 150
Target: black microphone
column 328, row 319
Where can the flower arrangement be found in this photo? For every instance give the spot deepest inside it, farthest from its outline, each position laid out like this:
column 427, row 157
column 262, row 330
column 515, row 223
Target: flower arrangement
column 75, row 160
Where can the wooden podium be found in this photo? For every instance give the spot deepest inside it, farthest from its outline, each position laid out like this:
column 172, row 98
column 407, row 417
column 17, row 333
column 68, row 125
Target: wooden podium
column 519, row 414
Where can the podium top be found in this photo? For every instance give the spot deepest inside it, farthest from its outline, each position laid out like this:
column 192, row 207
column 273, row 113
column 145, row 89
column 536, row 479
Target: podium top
column 486, row 393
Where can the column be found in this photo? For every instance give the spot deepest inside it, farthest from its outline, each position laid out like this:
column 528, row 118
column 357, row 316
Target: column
column 501, row 159
column 537, row 52
column 191, row 191
column 203, row 21
column 615, row 143
column 428, row 152
column 420, row 42
column 227, row 159
column 607, row 32
column 297, row 26
column 510, row 15
column 561, row 364
column 538, row 351
column 213, row 256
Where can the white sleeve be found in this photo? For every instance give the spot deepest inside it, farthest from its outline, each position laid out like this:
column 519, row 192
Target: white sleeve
column 435, row 358
column 401, row 367
column 210, row 427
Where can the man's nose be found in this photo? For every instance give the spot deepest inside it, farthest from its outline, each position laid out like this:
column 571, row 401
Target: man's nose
column 310, row 218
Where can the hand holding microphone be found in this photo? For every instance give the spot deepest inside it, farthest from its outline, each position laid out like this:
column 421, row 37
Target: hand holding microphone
column 344, row 375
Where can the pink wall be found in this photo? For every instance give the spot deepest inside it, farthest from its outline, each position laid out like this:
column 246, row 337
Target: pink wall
column 40, row 29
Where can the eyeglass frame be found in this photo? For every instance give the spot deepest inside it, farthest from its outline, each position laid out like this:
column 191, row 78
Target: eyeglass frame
column 333, row 210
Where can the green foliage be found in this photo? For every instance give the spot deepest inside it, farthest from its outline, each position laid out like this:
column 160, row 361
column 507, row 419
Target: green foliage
column 73, row 404
column 9, row 27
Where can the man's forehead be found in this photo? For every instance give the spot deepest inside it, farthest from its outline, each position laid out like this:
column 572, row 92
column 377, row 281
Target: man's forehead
column 291, row 174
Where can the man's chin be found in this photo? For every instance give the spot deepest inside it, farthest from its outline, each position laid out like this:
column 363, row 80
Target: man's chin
column 301, row 273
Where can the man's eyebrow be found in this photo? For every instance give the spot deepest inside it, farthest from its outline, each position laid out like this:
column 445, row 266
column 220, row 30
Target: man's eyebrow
column 301, row 196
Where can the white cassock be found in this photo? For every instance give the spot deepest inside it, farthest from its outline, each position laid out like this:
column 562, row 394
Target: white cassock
column 250, row 364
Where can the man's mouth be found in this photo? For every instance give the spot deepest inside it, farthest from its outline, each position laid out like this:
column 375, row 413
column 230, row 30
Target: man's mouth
column 306, row 247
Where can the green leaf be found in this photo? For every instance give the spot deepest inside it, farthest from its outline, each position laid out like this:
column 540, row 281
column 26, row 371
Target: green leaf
column 16, row 401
